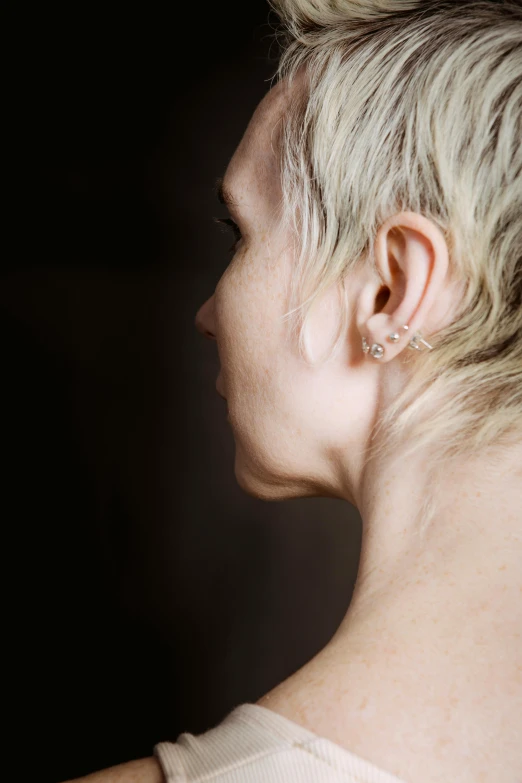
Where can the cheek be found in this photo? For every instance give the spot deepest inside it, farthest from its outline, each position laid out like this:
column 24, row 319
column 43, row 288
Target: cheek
column 323, row 324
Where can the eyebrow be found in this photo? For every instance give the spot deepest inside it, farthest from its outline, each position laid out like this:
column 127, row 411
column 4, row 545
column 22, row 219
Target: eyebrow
column 224, row 195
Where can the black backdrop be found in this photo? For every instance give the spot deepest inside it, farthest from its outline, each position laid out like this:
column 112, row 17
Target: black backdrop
column 148, row 594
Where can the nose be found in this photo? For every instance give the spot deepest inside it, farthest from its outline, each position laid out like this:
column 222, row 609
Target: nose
column 205, row 319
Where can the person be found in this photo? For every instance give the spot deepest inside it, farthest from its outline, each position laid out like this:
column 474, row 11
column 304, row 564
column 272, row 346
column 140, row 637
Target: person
column 369, row 330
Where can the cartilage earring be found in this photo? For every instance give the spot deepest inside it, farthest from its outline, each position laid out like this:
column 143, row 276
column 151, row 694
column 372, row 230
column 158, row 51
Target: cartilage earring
column 365, row 345
column 417, row 338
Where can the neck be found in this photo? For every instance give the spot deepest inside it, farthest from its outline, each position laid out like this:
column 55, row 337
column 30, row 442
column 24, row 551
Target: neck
column 465, row 563
column 425, row 669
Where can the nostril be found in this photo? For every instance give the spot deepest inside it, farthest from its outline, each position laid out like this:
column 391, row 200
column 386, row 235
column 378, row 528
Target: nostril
column 205, row 331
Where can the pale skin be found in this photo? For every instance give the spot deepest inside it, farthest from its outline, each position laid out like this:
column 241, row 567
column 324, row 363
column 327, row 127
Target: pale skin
column 424, row 675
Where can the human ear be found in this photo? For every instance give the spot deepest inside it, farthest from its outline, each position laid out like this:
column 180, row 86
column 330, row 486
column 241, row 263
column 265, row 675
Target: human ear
column 411, row 257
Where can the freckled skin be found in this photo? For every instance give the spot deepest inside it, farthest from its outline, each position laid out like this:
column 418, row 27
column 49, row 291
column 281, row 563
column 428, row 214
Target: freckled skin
column 409, row 680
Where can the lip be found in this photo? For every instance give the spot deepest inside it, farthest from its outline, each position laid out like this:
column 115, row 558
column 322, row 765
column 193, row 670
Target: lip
column 219, row 392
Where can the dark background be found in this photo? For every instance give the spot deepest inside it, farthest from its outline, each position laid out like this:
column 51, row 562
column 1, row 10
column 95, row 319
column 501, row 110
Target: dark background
column 149, row 595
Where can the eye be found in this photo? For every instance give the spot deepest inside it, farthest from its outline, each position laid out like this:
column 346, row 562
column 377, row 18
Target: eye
column 232, row 226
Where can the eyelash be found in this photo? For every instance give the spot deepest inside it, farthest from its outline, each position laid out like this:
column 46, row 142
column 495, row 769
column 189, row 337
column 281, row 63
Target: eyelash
column 232, row 225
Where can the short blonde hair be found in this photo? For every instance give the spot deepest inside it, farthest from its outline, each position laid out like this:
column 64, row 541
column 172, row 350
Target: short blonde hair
column 415, row 106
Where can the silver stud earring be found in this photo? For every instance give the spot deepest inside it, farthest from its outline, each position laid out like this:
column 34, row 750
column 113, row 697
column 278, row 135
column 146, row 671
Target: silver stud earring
column 377, row 351
column 417, row 338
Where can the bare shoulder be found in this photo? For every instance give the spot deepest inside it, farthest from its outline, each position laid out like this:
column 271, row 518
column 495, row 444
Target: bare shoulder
column 141, row 771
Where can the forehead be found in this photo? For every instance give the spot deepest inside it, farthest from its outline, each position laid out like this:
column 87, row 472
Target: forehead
column 254, row 168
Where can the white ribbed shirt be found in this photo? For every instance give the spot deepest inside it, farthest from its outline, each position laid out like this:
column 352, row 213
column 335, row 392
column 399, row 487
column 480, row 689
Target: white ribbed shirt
column 255, row 745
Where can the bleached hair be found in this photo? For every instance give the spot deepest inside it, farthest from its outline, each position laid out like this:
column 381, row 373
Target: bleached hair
column 414, row 106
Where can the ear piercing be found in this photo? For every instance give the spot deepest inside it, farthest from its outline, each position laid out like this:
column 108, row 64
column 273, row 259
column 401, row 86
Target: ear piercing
column 418, row 339
column 377, row 350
